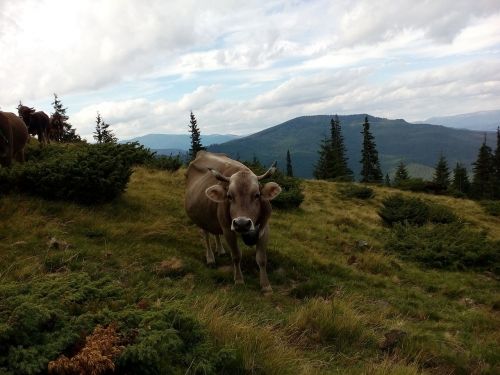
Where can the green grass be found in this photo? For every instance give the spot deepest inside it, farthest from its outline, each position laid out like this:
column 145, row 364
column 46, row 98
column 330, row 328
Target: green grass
column 333, row 300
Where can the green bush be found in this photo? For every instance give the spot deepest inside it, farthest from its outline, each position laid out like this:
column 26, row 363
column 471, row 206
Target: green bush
column 291, row 195
column 42, row 319
column 356, row 191
column 399, row 209
column 80, row 172
column 419, row 185
column 450, row 246
column 491, row 207
column 414, row 211
column 440, row 214
column 167, row 163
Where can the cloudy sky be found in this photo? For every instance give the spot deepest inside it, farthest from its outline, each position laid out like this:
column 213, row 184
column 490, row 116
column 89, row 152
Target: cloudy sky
column 242, row 66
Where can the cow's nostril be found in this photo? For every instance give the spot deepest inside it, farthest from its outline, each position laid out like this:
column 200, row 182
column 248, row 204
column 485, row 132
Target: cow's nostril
column 242, row 224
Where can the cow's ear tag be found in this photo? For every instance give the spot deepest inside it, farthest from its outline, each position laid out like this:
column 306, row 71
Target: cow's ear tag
column 216, row 193
column 270, row 190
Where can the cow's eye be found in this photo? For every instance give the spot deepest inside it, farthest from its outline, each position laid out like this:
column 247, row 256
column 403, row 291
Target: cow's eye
column 230, row 197
column 257, row 195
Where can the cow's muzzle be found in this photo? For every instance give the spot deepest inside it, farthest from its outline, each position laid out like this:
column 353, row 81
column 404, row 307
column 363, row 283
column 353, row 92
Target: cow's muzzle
column 242, row 225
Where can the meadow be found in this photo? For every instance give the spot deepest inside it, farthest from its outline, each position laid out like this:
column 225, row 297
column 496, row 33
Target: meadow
column 342, row 303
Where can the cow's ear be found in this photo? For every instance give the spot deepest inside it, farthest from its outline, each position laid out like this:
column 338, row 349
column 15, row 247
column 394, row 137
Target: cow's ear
column 216, row 193
column 270, row 190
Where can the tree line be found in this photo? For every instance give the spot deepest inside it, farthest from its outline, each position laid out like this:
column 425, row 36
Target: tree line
column 332, row 161
column 485, row 183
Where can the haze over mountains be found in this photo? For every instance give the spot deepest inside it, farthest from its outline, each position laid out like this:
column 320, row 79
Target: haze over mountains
column 177, row 143
column 482, row 121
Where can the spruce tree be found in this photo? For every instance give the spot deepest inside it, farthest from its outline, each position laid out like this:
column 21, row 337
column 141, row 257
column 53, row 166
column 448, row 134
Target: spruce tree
column 496, row 167
column 483, row 178
column 387, row 181
column 103, row 133
column 370, row 170
column 339, row 168
column 289, row 168
column 321, row 170
column 401, row 174
column 195, row 137
column 460, row 180
column 65, row 133
column 98, row 128
column 442, row 174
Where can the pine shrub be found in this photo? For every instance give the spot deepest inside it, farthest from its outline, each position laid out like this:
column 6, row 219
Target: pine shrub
column 46, row 320
column 356, row 191
column 414, row 211
column 83, row 173
column 399, row 209
column 449, row 246
column 291, row 195
column 491, row 207
column 167, row 163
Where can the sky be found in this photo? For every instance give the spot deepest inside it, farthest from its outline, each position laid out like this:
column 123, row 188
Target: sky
column 245, row 66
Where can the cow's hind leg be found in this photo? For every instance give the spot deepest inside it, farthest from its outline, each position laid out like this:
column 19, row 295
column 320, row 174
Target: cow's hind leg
column 235, row 255
column 209, row 254
column 219, row 248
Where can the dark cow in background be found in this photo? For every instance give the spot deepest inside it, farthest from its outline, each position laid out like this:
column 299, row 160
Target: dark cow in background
column 38, row 122
column 224, row 197
column 13, row 138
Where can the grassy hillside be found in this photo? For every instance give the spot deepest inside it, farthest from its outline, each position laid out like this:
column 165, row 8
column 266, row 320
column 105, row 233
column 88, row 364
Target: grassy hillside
column 396, row 139
column 138, row 262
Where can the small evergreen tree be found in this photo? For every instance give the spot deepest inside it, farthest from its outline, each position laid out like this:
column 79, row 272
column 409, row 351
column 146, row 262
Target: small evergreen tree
column 65, row 132
column 321, row 170
column 460, row 180
column 98, row 128
column 442, row 174
column 103, row 134
column 196, row 144
column 401, row 174
column 482, row 180
column 387, row 181
column 338, row 161
column 496, row 166
column 289, row 168
column 370, row 171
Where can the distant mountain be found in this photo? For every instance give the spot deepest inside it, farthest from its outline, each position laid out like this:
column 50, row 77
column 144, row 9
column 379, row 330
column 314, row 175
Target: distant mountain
column 417, row 144
column 178, row 141
column 482, row 121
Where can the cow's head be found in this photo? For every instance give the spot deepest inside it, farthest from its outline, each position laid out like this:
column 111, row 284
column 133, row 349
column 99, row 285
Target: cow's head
column 245, row 196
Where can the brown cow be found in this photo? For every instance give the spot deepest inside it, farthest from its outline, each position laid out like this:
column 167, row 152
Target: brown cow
column 224, row 197
column 13, row 138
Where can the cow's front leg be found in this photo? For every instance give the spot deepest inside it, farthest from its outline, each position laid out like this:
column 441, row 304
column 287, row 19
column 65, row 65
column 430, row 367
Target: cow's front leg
column 208, row 251
column 218, row 246
column 261, row 258
column 235, row 255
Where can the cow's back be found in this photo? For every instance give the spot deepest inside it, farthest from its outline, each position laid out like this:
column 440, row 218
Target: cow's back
column 198, row 207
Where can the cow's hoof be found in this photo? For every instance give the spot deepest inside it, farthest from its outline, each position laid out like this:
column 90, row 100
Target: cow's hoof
column 239, row 282
column 267, row 290
column 211, row 265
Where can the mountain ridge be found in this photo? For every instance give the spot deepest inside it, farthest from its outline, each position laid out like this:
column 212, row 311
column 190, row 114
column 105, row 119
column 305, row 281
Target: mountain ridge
column 418, row 144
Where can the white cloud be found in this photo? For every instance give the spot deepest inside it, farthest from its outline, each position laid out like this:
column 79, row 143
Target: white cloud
column 145, row 65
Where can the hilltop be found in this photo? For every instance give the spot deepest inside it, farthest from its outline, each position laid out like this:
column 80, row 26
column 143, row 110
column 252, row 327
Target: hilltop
column 417, row 144
column 137, row 263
